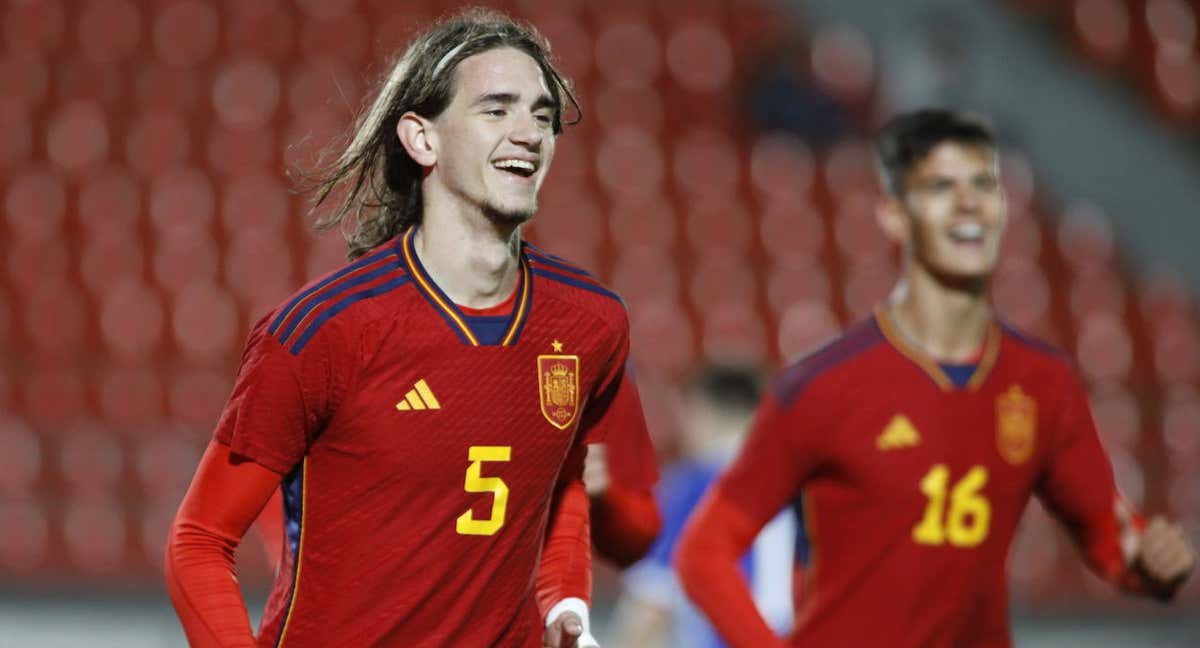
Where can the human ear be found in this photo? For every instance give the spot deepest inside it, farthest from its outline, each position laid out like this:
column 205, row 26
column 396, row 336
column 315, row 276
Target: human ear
column 418, row 138
column 889, row 213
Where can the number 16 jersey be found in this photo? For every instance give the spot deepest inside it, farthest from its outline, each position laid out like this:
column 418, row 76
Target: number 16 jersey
column 422, row 446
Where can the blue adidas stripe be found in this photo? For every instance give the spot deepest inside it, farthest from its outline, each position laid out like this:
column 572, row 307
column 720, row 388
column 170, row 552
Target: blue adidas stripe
column 578, row 283
column 342, row 305
column 357, row 265
column 555, row 262
column 334, row 292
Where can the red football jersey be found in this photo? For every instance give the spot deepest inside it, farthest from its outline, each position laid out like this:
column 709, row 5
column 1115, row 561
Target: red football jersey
column 422, row 446
column 913, row 486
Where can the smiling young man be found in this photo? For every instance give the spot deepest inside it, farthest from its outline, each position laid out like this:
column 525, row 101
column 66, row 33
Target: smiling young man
column 426, row 407
column 918, row 438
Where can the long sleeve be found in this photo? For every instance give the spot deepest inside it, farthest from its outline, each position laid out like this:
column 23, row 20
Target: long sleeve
column 625, row 523
column 223, row 500
column 565, row 570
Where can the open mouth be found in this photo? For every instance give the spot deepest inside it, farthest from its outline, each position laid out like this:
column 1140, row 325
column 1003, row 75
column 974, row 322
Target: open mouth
column 522, row 168
column 967, row 233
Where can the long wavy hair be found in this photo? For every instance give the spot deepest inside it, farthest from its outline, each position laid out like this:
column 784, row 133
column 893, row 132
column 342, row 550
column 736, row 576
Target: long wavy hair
column 377, row 184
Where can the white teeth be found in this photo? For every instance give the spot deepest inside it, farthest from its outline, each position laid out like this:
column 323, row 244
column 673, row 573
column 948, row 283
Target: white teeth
column 967, row 231
column 514, row 164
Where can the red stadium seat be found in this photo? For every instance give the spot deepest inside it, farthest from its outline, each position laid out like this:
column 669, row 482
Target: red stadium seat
column 782, row 168
column 158, row 141
column 246, row 93
column 90, row 458
column 345, row 36
column 21, row 461
column 1176, row 348
column 717, row 228
column 867, row 283
column 56, row 318
column 105, row 261
column 131, row 396
column 804, row 326
column 182, row 255
column 131, row 320
column 629, row 53
column 733, row 332
column 1172, row 26
column 563, row 222
column 645, row 275
column 792, row 232
column 326, row 251
column 395, row 27
column 843, row 63
column 182, row 199
column 1177, row 84
column 185, row 33
column 35, row 206
column 326, row 8
column 109, row 201
column 643, row 222
column 856, row 229
column 699, row 57
column 1021, row 292
column 850, row 169
column 1098, row 291
column 1104, row 350
column 36, row 266
column 1101, row 30
column 324, row 81
column 204, row 319
column 155, row 527
column 1181, row 426
column 94, row 528
column 572, row 171
column 24, row 79
column 1118, row 416
column 720, row 281
column 240, row 151
column 787, row 285
column 629, row 161
column 1085, row 238
column 707, row 165
column 260, row 29
column 571, row 39
column 629, row 107
column 1128, row 474
column 257, row 201
column 16, row 134
column 26, row 539
column 1022, row 237
column 165, row 461
column 661, row 337
column 34, row 26
column 310, row 135
column 77, row 136
column 197, row 398
column 1016, row 175
column 55, row 396
column 109, row 30
column 158, row 84
column 8, row 339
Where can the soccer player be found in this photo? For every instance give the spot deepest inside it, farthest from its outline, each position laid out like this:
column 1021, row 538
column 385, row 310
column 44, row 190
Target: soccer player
column 918, row 438
column 653, row 611
column 425, row 407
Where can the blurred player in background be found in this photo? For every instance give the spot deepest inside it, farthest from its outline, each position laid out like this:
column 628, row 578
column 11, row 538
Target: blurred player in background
column 918, row 438
column 624, row 516
column 654, row 612
column 426, row 406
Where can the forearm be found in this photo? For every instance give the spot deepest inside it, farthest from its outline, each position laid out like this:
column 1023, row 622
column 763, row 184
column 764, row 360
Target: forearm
column 715, row 537
column 625, row 523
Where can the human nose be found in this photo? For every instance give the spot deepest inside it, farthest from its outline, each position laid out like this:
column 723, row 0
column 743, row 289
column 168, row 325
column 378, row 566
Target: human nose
column 526, row 131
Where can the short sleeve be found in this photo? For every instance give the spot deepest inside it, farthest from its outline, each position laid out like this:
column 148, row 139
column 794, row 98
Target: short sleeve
column 280, row 400
column 614, row 406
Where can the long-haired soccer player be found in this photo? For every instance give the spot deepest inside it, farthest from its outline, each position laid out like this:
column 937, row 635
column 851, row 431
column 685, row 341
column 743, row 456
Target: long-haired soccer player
column 426, row 406
column 918, row 438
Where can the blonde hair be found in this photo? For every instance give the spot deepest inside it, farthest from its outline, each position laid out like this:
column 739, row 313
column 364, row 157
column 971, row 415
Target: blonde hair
column 381, row 183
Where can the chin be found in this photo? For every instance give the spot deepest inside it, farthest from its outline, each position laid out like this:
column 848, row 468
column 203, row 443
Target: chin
column 509, row 214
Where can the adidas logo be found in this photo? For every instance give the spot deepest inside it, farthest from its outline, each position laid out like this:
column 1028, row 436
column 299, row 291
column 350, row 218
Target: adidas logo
column 899, row 433
column 420, row 397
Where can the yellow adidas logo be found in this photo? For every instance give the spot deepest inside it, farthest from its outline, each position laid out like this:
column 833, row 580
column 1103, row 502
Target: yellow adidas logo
column 420, row 397
column 899, row 433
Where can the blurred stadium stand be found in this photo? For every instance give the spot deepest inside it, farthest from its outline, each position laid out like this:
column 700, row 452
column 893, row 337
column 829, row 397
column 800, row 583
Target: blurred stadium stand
column 149, row 151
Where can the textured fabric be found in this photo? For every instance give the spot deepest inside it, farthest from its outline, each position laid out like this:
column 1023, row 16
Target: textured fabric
column 913, row 486
column 401, row 439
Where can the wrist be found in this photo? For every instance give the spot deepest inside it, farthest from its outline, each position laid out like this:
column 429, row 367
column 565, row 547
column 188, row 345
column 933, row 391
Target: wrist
column 579, row 608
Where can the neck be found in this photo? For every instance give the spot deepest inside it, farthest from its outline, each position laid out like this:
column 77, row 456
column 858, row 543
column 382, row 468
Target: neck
column 947, row 320
column 471, row 258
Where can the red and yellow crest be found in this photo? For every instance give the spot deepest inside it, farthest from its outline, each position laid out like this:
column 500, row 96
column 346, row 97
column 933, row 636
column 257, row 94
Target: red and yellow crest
column 558, row 388
column 1016, row 425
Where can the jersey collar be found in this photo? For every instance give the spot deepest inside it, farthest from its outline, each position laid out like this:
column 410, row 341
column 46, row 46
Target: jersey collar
column 449, row 311
column 991, row 350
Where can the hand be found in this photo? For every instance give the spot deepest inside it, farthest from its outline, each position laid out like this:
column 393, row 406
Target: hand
column 1165, row 558
column 595, row 470
column 566, row 631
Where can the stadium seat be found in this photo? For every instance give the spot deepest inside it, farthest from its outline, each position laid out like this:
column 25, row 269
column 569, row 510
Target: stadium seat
column 803, row 326
column 1096, row 291
column 707, row 165
column 56, row 318
column 1017, row 177
column 627, row 107
column 94, row 532
column 630, row 51
column 309, row 135
column 105, row 261
column 25, row 543
column 699, row 57
column 35, row 206
column 260, row 29
column 718, row 281
column 792, row 232
column 866, row 283
column 55, row 395
column 1176, row 349
column 35, row 26
column 1085, row 238
column 158, row 141
column 36, row 266
column 130, row 396
column 733, row 332
column 1177, row 86
column 1101, row 30
column 90, row 458
column 185, row 33
column 77, row 136
column 109, row 30
column 562, row 223
column 1172, row 27
column 157, row 84
column 641, row 275
column 856, row 229
column 197, row 397
column 205, row 324
column 24, row 79
column 233, row 153
column 1117, row 414
column 345, row 36
column 642, row 222
column 719, row 229
column 630, row 161
column 324, row 81
column 318, row 9
column 258, row 266
column 109, row 202
column 572, row 40
column 182, row 199
column 661, row 337
column 21, row 462
column 1021, row 293
column 131, row 320
column 16, row 133
column 843, row 64
column 1022, row 237
column 790, row 284
column 183, row 254
column 849, row 169
column 782, row 169
column 325, row 252
column 1035, row 553
column 246, row 93
column 1103, row 349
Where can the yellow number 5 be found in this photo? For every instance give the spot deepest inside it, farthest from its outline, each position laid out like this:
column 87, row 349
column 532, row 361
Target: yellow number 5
column 477, row 483
column 970, row 513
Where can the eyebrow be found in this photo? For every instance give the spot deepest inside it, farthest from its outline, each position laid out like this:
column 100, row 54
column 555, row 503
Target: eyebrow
column 509, row 98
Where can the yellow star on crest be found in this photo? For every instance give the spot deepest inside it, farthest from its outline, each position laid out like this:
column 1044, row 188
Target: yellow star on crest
column 558, row 346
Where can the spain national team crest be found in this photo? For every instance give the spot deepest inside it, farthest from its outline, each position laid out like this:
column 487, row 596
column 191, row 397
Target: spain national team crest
column 1016, row 425
column 558, row 388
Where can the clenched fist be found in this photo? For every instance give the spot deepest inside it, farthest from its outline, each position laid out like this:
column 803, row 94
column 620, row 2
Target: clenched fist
column 1164, row 558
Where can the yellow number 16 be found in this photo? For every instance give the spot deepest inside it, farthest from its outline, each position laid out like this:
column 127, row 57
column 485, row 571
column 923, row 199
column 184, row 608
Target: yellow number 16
column 970, row 513
column 477, row 483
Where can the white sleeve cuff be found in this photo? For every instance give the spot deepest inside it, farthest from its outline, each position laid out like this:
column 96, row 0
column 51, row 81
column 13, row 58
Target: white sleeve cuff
column 580, row 608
